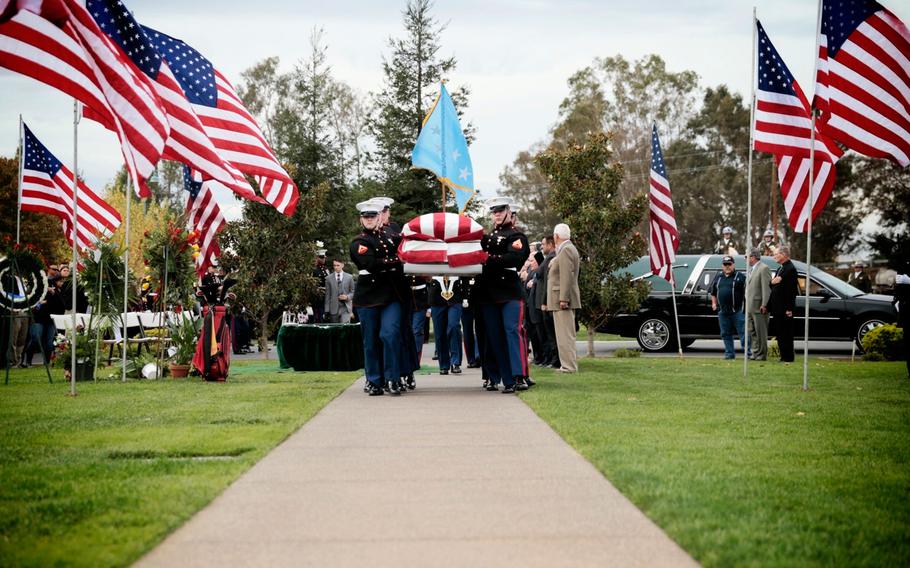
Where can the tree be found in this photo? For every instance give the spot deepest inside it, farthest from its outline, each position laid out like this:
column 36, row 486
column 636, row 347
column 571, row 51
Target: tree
column 617, row 96
column 271, row 256
column 885, row 191
column 524, row 182
column 586, row 195
column 412, row 72
column 40, row 230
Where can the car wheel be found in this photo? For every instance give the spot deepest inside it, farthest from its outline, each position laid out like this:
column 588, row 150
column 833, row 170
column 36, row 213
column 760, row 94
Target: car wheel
column 654, row 334
column 864, row 328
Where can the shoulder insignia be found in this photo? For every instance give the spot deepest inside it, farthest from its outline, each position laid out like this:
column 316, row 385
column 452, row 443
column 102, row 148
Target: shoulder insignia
column 362, row 249
column 517, row 245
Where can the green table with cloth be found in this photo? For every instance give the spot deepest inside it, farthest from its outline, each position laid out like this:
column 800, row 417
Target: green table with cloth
column 320, row 347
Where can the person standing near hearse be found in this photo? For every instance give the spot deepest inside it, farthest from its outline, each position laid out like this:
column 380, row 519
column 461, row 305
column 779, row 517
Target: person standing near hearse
column 758, row 294
column 728, row 293
column 564, row 296
column 784, row 288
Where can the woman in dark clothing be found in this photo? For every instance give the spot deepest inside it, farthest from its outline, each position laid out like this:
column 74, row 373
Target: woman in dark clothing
column 43, row 330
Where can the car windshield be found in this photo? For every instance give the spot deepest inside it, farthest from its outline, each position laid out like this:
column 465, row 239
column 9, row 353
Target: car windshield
column 840, row 287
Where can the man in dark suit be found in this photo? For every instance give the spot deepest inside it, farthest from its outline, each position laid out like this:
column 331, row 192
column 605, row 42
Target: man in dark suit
column 784, row 287
column 551, row 354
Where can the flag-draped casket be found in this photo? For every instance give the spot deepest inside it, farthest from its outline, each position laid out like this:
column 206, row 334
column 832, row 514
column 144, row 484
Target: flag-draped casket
column 442, row 244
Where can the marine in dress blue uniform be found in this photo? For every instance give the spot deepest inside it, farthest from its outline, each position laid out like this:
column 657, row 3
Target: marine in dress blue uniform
column 502, row 300
column 378, row 301
column 446, row 297
column 409, row 360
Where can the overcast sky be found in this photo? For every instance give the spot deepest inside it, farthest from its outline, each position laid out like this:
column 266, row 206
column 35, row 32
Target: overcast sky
column 515, row 55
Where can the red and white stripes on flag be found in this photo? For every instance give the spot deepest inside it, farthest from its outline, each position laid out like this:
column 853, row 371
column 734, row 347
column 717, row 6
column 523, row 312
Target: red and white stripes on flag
column 205, row 218
column 226, row 121
column 47, row 187
column 783, row 127
column 863, row 79
column 664, row 241
column 57, row 42
column 448, row 227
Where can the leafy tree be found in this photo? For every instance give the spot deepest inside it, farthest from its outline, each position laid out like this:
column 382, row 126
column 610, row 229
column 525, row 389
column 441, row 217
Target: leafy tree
column 617, row 96
column 885, row 191
column 524, row 182
column 586, row 195
column 270, row 255
column 41, row 230
column 412, row 72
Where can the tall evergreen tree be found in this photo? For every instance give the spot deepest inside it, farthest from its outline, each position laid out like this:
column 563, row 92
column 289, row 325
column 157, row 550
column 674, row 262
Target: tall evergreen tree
column 412, row 72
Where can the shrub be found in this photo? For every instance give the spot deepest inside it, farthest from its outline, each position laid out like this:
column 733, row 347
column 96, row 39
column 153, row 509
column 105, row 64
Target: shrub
column 630, row 353
column 886, row 342
column 773, row 349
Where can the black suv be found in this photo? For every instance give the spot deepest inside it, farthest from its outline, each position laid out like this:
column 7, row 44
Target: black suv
column 837, row 310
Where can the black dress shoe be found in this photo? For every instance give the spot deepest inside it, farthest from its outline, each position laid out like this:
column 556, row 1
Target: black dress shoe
column 374, row 390
column 443, row 371
column 435, row 357
column 520, row 384
column 491, row 386
column 531, row 382
column 410, row 382
column 509, row 389
column 456, row 370
column 474, row 365
column 395, row 388
column 555, row 366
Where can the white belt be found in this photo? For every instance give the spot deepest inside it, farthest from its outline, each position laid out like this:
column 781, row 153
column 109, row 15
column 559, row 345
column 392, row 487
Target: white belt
column 363, row 272
column 421, row 287
column 511, row 268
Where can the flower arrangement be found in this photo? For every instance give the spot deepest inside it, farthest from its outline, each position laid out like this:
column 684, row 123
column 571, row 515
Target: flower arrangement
column 28, row 258
column 170, row 252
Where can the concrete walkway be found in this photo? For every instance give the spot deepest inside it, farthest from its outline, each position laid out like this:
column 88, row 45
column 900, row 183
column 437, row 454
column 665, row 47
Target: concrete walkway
column 447, row 475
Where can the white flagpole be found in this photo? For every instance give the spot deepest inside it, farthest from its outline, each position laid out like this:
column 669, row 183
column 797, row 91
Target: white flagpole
column 809, row 252
column 675, row 313
column 21, row 168
column 749, row 198
column 126, row 274
column 74, row 271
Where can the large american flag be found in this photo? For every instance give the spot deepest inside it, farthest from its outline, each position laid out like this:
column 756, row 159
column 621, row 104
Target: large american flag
column 58, row 43
column 204, row 217
column 783, row 127
column 226, row 121
column 863, row 79
column 188, row 142
column 664, row 234
column 47, row 187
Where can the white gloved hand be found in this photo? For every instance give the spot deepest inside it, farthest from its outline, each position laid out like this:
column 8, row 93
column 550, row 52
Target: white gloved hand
column 464, row 303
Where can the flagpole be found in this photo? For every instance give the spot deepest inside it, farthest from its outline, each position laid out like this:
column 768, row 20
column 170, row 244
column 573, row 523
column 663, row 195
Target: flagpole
column 21, row 167
column 126, row 275
column 809, row 252
column 748, row 251
column 675, row 313
column 75, row 268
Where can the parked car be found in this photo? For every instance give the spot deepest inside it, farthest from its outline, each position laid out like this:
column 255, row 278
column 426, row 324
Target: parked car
column 837, row 310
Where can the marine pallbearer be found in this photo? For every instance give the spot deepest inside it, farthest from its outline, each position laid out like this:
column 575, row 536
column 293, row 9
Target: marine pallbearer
column 502, row 300
column 378, row 301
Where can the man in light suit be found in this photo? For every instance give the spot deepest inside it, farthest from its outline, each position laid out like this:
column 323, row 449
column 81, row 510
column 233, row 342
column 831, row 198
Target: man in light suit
column 758, row 293
column 339, row 293
column 564, row 297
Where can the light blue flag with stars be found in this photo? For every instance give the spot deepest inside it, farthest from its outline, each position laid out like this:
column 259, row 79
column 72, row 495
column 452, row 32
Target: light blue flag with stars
column 442, row 149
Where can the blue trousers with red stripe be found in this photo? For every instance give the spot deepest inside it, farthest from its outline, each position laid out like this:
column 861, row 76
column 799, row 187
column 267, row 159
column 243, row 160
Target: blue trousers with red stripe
column 505, row 332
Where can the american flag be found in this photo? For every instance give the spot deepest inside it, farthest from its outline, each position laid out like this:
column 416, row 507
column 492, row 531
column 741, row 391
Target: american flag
column 783, row 127
column 664, row 234
column 188, row 142
column 863, row 79
column 58, row 43
column 204, row 217
column 47, row 187
column 226, row 121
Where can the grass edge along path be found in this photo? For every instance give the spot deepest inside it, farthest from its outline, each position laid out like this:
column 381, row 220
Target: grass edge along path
column 100, row 479
column 749, row 472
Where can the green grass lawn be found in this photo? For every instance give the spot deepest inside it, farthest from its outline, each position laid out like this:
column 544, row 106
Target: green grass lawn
column 749, row 472
column 99, row 479
column 582, row 335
